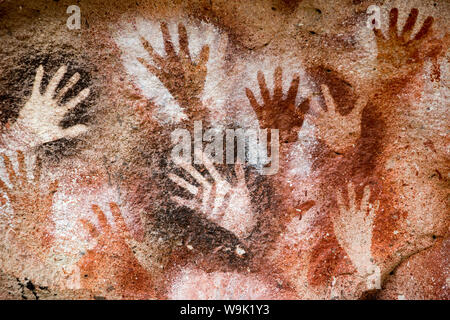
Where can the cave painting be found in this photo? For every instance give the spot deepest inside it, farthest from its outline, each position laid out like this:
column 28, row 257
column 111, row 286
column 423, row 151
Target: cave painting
column 336, row 230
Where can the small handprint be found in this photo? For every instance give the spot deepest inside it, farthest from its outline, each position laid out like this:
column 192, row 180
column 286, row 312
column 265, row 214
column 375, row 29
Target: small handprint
column 41, row 116
column 401, row 52
column 113, row 255
column 180, row 74
column 31, row 203
column 227, row 205
column 278, row 112
column 339, row 132
column 353, row 229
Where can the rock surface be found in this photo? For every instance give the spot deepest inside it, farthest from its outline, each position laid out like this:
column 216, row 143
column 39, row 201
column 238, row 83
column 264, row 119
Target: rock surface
column 353, row 202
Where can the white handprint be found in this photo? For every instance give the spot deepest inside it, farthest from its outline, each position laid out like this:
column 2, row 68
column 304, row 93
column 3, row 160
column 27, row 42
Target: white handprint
column 353, row 229
column 39, row 120
column 339, row 132
column 228, row 206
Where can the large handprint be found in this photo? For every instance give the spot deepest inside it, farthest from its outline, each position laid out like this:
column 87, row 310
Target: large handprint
column 278, row 112
column 31, row 203
column 339, row 132
column 227, row 205
column 113, row 257
column 353, row 229
column 39, row 120
column 183, row 77
column 398, row 53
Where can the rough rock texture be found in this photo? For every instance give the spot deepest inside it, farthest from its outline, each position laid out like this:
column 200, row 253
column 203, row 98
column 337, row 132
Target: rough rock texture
column 93, row 205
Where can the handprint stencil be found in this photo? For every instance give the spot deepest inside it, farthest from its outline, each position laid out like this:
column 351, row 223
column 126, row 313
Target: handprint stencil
column 180, row 74
column 353, row 229
column 399, row 51
column 113, row 254
column 31, row 203
column 277, row 112
column 227, row 205
column 39, row 120
column 337, row 131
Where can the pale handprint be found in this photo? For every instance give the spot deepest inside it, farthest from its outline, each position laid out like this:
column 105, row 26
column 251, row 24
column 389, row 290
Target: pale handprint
column 183, row 77
column 41, row 116
column 32, row 205
column 339, row 132
column 227, row 205
column 114, row 254
column 353, row 229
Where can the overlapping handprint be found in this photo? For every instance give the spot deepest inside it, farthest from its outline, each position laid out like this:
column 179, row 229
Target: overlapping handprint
column 223, row 203
column 277, row 112
column 337, row 131
column 180, row 74
column 112, row 253
column 31, row 203
column 353, row 229
column 399, row 53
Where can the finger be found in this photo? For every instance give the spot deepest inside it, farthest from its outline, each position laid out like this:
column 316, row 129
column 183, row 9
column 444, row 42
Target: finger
column 189, row 203
column 359, row 105
column 329, row 101
column 194, row 173
column 74, row 131
column 351, row 196
column 252, row 99
column 374, row 210
column 103, row 222
column 153, row 54
column 209, row 204
column 37, row 170
column 53, row 186
column 423, row 32
column 75, row 101
column 170, row 51
column 379, row 34
column 240, row 174
column 52, row 189
column 72, row 81
column 90, row 228
column 9, row 169
column 278, row 84
column 53, row 84
column 37, row 81
column 219, row 205
column 184, row 42
column 265, row 94
column 118, row 218
column 149, row 67
column 4, row 188
column 365, row 199
column 393, row 18
column 303, row 108
column 340, row 201
column 204, row 56
column 409, row 25
column 183, row 184
column 292, row 92
column 22, row 168
column 209, row 166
